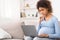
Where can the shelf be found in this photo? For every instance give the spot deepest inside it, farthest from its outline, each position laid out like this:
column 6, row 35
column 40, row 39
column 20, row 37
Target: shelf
column 29, row 9
column 29, row 18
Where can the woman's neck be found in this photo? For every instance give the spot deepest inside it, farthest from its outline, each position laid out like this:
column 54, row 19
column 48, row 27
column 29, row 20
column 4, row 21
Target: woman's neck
column 48, row 16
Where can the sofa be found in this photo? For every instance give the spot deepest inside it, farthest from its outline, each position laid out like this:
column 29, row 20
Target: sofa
column 13, row 28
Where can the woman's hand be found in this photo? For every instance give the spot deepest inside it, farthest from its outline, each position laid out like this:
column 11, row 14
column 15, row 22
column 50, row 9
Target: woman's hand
column 41, row 18
column 43, row 35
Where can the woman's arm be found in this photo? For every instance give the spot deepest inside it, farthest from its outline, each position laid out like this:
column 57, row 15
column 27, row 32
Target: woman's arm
column 38, row 26
column 39, row 23
column 57, row 30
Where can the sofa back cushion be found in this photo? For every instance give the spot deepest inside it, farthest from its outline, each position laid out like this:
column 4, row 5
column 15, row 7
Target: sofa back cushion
column 13, row 27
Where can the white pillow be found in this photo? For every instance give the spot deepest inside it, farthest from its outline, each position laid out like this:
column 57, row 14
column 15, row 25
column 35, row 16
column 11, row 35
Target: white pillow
column 4, row 34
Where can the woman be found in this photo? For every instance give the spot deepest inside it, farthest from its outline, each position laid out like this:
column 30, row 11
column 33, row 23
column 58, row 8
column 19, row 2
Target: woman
column 48, row 27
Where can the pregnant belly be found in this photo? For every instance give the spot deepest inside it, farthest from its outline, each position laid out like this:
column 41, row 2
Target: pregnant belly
column 46, row 30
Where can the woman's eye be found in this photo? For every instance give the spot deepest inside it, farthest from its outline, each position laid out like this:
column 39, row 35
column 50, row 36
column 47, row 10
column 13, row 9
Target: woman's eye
column 42, row 9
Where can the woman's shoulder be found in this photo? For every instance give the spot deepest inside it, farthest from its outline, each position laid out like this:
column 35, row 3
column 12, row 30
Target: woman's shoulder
column 54, row 18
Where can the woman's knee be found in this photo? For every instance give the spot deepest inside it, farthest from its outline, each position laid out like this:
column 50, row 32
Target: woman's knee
column 28, row 38
column 36, row 38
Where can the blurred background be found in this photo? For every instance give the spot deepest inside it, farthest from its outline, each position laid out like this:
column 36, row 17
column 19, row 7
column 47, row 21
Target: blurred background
column 12, row 9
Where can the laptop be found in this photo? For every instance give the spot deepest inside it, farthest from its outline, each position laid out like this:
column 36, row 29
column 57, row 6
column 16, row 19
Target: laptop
column 29, row 30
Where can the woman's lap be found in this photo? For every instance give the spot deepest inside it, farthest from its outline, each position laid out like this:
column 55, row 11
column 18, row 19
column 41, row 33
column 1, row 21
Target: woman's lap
column 35, row 38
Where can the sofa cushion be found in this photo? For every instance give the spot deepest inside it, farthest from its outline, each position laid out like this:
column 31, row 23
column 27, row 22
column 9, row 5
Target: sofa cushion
column 4, row 34
column 13, row 27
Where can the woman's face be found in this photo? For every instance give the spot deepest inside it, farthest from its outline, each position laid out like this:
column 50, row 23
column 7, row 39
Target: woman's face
column 43, row 11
